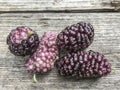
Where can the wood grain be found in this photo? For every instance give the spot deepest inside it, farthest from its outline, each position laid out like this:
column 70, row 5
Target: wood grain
column 13, row 75
column 56, row 5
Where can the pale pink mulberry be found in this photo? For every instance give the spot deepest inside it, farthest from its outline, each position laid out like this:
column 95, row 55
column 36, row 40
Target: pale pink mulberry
column 44, row 57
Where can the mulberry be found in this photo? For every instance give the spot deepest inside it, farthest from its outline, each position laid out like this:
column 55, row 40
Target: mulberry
column 44, row 57
column 75, row 37
column 83, row 64
column 22, row 41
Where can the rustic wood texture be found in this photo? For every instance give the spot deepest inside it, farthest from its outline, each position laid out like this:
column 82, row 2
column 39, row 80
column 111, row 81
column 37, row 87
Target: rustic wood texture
column 13, row 75
column 48, row 5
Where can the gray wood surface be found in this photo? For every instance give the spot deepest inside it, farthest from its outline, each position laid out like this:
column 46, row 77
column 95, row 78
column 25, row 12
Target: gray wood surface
column 55, row 15
column 55, row 5
column 13, row 75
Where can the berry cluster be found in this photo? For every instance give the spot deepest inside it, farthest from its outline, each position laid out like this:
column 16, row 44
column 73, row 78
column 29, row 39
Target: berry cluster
column 75, row 39
column 43, row 51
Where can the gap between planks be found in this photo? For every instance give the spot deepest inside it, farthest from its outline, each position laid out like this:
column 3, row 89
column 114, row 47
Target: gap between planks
column 66, row 11
column 8, row 6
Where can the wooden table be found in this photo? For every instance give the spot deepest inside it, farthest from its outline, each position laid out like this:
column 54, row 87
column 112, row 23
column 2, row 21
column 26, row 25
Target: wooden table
column 55, row 15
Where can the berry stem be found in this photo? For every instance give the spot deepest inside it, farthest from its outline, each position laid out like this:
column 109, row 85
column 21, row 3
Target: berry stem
column 34, row 78
column 30, row 33
column 113, row 69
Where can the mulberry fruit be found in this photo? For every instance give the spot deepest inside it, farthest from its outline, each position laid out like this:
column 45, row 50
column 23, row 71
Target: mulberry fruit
column 83, row 65
column 75, row 37
column 22, row 41
column 44, row 57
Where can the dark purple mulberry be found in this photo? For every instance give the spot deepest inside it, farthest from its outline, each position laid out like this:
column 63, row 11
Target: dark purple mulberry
column 22, row 41
column 83, row 64
column 74, row 37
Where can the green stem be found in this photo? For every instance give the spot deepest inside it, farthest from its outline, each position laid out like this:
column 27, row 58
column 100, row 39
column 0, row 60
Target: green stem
column 113, row 69
column 34, row 78
column 30, row 33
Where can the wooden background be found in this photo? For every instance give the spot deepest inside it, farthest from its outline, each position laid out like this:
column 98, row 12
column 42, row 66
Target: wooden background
column 55, row 15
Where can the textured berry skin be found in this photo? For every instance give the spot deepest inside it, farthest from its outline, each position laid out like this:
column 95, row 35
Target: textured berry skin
column 83, row 65
column 43, row 59
column 76, row 37
column 22, row 41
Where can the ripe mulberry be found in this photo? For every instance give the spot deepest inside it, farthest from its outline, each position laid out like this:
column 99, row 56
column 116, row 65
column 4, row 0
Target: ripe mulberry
column 83, row 64
column 75, row 37
column 44, row 57
column 22, row 41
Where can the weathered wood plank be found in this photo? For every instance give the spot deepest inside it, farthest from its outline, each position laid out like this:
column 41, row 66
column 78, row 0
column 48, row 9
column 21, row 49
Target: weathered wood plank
column 13, row 75
column 57, row 5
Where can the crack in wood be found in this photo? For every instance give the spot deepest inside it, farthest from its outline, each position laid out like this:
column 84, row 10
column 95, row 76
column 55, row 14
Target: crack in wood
column 66, row 11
